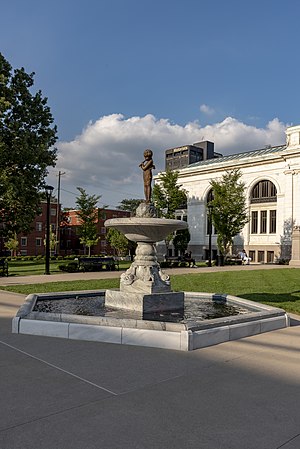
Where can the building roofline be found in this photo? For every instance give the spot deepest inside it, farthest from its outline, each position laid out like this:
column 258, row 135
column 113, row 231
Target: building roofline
column 254, row 155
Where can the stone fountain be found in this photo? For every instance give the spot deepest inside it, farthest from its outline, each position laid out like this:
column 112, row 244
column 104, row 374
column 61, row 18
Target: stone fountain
column 145, row 295
column 144, row 287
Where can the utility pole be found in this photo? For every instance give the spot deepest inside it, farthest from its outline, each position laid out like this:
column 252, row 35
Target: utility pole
column 57, row 234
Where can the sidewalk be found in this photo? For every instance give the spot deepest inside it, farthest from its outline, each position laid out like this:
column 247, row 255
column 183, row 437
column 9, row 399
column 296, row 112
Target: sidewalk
column 56, row 277
column 68, row 394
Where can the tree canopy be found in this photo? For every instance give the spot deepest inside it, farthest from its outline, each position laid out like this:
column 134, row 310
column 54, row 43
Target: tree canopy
column 167, row 195
column 88, row 215
column 228, row 208
column 181, row 240
column 118, row 241
column 130, row 204
column 27, row 136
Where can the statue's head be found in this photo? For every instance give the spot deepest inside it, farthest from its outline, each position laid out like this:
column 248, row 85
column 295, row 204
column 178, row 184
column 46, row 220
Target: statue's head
column 148, row 154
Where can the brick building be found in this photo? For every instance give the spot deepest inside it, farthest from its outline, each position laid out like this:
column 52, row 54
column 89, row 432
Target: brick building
column 69, row 235
column 33, row 243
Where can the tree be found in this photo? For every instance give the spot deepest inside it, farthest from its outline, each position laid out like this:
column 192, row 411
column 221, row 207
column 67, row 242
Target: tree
column 167, row 195
column 27, row 137
column 228, row 208
column 88, row 214
column 52, row 240
column 118, row 241
column 12, row 244
column 181, row 240
column 130, row 204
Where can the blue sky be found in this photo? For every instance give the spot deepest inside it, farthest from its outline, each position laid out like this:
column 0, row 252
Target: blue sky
column 124, row 75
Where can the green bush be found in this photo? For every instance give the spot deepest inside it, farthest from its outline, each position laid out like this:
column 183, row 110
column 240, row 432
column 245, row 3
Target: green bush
column 70, row 257
column 70, row 267
column 164, row 264
column 282, row 261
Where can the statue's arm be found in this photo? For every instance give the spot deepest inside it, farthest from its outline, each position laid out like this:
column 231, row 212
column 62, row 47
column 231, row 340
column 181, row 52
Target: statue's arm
column 147, row 166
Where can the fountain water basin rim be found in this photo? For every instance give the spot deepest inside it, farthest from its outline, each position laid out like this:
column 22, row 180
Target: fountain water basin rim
column 179, row 336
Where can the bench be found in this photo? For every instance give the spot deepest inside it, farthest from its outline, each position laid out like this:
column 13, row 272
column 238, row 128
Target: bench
column 3, row 267
column 175, row 261
column 233, row 260
column 97, row 263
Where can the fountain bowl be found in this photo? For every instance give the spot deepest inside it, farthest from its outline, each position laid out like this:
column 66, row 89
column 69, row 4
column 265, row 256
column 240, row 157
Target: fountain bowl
column 148, row 230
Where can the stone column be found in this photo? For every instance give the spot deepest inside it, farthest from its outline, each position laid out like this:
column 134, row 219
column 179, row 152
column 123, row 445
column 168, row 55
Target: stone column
column 295, row 260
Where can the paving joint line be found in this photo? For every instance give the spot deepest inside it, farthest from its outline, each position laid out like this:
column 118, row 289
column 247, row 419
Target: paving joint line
column 59, row 369
column 40, row 418
column 288, row 441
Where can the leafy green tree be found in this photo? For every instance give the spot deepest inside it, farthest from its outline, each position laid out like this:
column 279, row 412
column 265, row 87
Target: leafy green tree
column 167, row 195
column 88, row 215
column 181, row 240
column 52, row 240
column 130, row 204
column 228, row 208
column 118, row 241
column 12, row 244
column 27, row 136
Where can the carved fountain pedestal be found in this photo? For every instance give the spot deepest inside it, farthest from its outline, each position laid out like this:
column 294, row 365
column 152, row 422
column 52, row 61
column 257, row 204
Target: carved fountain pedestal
column 144, row 287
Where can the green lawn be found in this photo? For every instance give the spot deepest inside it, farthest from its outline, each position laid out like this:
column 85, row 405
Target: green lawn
column 278, row 287
column 33, row 267
column 30, row 267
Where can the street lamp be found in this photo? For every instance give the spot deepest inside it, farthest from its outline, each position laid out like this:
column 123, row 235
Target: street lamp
column 48, row 191
column 209, row 208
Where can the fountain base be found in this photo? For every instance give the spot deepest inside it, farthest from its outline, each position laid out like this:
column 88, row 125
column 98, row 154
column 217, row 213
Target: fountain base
column 183, row 336
column 145, row 302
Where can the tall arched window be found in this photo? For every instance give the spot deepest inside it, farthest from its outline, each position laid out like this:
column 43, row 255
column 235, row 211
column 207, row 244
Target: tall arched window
column 263, row 213
column 263, row 192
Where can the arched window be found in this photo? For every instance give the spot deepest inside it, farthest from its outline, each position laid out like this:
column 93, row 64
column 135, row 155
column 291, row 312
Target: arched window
column 263, row 215
column 210, row 196
column 263, row 192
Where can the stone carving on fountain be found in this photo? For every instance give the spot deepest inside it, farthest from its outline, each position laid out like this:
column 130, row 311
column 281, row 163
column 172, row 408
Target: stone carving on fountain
column 145, row 274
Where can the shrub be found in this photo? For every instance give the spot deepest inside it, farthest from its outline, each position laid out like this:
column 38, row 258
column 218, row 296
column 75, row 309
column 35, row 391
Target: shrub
column 282, row 261
column 164, row 264
column 70, row 267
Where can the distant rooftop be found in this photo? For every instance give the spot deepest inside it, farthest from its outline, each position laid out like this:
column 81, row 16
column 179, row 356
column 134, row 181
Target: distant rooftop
column 232, row 157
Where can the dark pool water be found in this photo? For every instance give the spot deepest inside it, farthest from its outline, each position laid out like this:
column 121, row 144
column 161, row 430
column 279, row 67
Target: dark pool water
column 202, row 309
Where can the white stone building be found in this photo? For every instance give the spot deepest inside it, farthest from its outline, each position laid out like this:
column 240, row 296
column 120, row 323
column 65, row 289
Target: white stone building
column 272, row 179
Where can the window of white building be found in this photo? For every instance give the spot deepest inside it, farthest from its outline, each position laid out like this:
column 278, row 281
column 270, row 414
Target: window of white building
column 263, row 214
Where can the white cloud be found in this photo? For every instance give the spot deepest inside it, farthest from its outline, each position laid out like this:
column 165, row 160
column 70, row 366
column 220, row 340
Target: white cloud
column 104, row 158
column 207, row 110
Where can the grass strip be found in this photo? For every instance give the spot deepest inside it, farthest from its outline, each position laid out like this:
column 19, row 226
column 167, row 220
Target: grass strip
column 278, row 287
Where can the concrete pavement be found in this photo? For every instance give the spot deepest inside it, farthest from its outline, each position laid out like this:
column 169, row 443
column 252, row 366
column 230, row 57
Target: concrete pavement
column 68, row 394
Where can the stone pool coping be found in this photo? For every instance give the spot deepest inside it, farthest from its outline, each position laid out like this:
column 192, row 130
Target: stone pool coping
column 179, row 336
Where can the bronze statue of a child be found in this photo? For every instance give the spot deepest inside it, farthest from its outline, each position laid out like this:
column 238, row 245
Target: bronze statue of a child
column 147, row 166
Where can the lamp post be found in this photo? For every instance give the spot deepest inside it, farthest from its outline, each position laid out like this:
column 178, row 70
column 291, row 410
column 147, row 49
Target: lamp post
column 209, row 208
column 48, row 191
